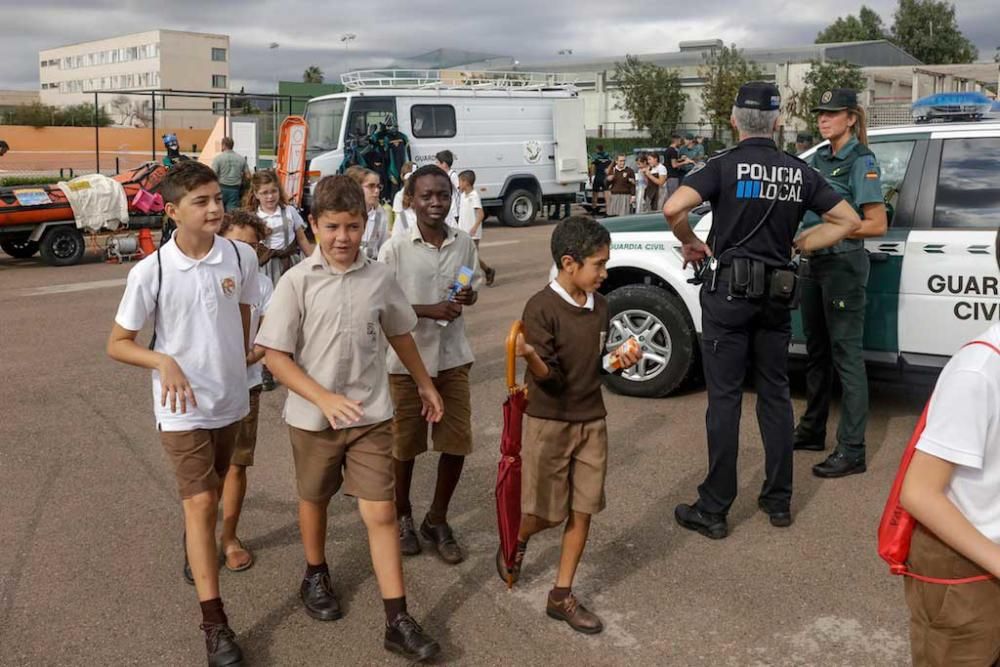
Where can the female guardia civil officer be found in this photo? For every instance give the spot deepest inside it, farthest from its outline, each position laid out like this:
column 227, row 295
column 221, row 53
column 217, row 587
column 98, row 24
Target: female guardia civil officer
column 833, row 296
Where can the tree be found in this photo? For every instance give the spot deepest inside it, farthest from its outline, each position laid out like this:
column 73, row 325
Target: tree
column 820, row 78
column 652, row 96
column 37, row 114
column 313, row 74
column 928, row 30
column 867, row 25
column 724, row 72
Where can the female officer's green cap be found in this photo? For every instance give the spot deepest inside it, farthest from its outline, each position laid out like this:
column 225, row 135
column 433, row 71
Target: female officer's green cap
column 837, row 99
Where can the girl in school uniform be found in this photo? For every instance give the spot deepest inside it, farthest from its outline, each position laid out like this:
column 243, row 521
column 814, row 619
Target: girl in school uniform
column 287, row 241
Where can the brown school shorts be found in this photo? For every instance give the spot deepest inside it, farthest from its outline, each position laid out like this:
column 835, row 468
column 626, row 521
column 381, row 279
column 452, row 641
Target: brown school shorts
column 246, row 441
column 563, row 466
column 451, row 435
column 200, row 457
column 359, row 458
column 955, row 624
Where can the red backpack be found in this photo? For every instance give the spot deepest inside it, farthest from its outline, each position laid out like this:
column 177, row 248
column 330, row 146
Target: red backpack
column 896, row 527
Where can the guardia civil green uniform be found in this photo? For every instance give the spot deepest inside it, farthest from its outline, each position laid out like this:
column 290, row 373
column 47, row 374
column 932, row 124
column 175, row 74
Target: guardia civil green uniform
column 833, row 307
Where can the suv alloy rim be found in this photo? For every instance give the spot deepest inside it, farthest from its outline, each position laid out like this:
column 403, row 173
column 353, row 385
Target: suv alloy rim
column 652, row 336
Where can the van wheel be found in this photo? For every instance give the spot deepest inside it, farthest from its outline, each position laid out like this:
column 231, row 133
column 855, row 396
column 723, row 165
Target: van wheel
column 19, row 248
column 520, row 208
column 659, row 320
column 62, row 246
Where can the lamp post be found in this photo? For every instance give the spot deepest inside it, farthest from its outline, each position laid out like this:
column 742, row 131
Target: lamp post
column 346, row 40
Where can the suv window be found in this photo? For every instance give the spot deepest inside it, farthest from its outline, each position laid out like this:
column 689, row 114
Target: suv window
column 968, row 191
column 893, row 158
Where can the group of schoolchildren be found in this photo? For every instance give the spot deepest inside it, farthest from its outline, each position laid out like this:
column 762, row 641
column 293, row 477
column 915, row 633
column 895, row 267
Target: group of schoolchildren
column 371, row 345
column 376, row 361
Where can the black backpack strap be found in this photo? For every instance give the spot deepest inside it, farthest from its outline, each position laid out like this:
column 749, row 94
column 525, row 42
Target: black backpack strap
column 156, row 301
column 239, row 260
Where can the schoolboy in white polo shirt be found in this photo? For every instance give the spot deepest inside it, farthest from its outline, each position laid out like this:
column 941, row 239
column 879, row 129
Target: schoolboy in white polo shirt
column 952, row 488
column 197, row 289
column 325, row 336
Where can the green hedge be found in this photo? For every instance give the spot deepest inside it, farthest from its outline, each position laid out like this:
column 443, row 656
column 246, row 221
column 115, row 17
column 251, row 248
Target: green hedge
column 11, row 181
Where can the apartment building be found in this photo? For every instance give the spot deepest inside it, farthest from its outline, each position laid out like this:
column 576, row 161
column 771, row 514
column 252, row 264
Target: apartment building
column 156, row 59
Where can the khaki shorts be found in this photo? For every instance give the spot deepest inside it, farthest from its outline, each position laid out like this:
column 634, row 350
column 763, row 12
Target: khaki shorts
column 950, row 624
column 200, row 457
column 563, row 467
column 451, row 435
column 360, row 458
column 246, row 442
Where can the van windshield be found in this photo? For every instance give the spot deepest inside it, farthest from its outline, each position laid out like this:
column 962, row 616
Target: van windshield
column 324, row 118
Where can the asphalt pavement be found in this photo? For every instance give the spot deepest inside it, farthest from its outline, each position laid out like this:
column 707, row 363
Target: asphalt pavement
column 90, row 559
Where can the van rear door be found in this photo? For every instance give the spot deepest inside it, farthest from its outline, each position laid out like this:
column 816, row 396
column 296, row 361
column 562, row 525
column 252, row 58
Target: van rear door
column 570, row 140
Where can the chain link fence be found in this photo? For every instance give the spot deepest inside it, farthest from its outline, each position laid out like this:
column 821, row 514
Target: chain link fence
column 117, row 131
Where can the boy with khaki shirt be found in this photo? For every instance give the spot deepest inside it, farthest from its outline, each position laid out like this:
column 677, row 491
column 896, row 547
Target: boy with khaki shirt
column 325, row 335
column 426, row 262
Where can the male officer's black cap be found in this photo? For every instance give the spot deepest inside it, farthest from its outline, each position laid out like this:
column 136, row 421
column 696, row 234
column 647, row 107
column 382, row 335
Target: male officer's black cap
column 759, row 95
column 837, row 99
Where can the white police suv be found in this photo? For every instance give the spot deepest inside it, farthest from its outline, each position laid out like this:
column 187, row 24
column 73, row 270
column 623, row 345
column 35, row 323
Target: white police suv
column 934, row 282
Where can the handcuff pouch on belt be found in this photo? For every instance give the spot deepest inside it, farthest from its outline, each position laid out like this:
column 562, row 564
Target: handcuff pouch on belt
column 747, row 278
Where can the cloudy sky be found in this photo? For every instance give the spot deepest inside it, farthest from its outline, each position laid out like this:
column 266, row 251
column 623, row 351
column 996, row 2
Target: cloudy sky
column 528, row 30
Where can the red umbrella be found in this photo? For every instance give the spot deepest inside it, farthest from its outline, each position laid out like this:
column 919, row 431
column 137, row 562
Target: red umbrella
column 509, row 472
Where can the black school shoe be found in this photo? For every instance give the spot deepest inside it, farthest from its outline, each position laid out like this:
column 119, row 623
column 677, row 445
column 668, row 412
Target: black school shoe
column 779, row 519
column 839, row 464
column 220, row 643
column 712, row 526
column 405, row 637
column 268, row 382
column 317, row 596
column 409, row 543
column 442, row 537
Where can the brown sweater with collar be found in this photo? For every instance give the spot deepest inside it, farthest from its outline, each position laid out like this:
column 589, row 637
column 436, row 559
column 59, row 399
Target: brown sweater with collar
column 570, row 340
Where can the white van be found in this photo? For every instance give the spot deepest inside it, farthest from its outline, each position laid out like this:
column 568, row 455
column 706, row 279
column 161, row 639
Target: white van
column 522, row 133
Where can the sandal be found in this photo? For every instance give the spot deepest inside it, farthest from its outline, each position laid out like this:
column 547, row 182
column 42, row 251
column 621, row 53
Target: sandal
column 236, row 548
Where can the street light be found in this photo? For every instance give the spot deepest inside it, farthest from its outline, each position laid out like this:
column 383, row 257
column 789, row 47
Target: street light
column 273, row 46
column 346, row 40
column 565, row 52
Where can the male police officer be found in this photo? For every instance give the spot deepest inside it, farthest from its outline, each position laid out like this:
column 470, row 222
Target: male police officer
column 758, row 195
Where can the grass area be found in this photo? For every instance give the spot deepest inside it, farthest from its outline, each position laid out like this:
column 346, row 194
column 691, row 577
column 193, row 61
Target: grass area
column 12, row 181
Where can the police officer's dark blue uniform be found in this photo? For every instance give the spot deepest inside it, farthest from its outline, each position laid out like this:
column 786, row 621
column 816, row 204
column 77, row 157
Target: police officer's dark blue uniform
column 758, row 195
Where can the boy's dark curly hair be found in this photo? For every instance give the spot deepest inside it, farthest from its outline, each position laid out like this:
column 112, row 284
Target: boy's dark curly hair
column 240, row 218
column 578, row 236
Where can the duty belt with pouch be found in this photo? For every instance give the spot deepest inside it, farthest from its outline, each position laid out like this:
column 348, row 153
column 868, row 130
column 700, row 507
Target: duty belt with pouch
column 752, row 279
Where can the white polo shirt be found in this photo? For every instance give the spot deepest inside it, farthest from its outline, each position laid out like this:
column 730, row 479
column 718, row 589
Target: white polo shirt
column 255, row 373
column 198, row 323
column 290, row 223
column 963, row 427
column 455, row 195
column 469, row 203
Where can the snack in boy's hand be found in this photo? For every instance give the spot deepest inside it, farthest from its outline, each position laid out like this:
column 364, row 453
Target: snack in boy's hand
column 614, row 361
column 462, row 279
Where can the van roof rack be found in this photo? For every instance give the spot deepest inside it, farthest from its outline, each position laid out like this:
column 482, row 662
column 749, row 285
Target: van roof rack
column 437, row 79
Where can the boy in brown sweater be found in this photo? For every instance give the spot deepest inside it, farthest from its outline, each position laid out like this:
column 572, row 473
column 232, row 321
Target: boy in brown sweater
column 565, row 440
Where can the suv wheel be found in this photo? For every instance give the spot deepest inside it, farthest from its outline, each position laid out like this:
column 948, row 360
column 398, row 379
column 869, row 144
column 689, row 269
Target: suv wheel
column 657, row 319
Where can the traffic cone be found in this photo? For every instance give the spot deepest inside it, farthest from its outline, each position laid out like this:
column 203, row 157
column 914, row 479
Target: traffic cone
column 146, row 246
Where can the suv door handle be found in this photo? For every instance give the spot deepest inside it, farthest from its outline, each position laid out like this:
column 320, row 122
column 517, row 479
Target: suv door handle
column 878, row 257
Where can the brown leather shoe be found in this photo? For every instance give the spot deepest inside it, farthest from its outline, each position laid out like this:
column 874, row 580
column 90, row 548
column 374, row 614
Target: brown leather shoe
column 575, row 614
